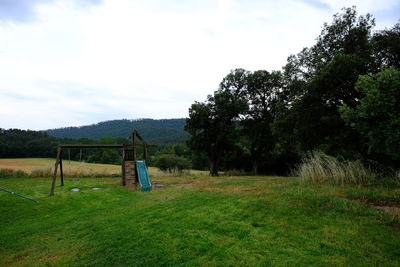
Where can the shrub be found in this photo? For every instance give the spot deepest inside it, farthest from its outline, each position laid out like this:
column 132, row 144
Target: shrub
column 318, row 167
column 20, row 174
column 42, row 173
column 73, row 173
column 171, row 163
column 10, row 173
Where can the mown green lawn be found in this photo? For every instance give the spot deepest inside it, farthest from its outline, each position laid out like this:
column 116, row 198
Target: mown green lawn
column 225, row 221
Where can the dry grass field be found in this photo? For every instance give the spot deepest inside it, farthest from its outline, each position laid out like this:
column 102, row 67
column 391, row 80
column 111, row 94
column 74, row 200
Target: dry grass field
column 45, row 167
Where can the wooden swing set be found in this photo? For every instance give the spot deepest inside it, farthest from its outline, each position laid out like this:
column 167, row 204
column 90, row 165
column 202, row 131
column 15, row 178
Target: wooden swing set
column 128, row 154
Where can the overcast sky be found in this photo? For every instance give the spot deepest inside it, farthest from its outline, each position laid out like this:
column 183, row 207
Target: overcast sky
column 76, row 62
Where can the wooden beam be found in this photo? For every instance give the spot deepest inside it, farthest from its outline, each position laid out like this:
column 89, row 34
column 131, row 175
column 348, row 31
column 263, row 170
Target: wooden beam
column 145, row 156
column 103, row 146
column 141, row 145
column 134, row 145
column 53, row 184
column 91, row 146
column 140, row 138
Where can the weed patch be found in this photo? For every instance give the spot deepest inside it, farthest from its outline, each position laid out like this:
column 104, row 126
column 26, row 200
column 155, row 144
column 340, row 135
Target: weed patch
column 321, row 168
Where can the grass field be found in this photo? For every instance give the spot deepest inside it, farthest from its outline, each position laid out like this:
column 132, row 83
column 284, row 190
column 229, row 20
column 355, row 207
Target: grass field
column 73, row 168
column 29, row 165
column 196, row 221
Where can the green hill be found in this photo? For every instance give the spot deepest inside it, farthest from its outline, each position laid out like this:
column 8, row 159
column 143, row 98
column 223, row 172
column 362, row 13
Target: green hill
column 166, row 131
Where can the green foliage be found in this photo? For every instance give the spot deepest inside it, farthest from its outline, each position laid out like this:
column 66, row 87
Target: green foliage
column 16, row 143
column 212, row 124
column 386, row 47
column 171, row 163
column 318, row 167
column 377, row 116
column 262, row 93
column 320, row 80
column 168, row 131
column 10, row 173
column 110, row 156
column 300, row 109
column 94, row 155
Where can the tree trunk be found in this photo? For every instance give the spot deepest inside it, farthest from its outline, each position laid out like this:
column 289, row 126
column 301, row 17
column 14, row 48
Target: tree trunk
column 213, row 166
column 255, row 167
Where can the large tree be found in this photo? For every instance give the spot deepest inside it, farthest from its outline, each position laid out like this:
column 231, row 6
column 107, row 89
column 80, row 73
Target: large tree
column 321, row 78
column 386, row 46
column 377, row 116
column 262, row 90
column 212, row 124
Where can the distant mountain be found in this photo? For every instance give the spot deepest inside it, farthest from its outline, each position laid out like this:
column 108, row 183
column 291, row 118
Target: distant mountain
column 167, row 131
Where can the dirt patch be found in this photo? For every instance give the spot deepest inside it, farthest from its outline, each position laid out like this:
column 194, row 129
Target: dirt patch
column 232, row 189
column 384, row 203
column 157, row 185
column 392, row 210
column 374, row 202
column 391, row 207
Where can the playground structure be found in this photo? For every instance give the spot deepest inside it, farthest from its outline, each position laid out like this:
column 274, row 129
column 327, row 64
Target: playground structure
column 133, row 173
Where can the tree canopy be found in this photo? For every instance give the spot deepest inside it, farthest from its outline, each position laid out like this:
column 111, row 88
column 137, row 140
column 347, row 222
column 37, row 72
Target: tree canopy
column 336, row 96
column 377, row 116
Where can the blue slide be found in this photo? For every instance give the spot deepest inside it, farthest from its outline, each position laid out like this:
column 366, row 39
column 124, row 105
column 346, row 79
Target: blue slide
column 143, row 176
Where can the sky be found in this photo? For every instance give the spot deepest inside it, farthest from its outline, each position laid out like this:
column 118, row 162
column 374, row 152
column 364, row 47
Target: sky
column 77, row 62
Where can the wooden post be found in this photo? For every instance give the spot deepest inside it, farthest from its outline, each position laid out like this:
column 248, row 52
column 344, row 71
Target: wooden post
column 145, row 155
column 134, row 145
column 134, row 155
column 53, row 184
column 123, row 167
column 61, row 170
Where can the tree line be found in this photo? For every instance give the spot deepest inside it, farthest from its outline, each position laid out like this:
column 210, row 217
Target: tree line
column 167, row 131
column 16, row 143
column 340, row 96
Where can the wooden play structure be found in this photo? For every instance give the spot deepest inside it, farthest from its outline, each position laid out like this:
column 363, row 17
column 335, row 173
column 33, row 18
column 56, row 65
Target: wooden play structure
column 133, row 172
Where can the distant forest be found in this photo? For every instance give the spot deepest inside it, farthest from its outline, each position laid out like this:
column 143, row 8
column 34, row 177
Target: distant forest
column 15, row 143
column 167, row 131
column 168, row 135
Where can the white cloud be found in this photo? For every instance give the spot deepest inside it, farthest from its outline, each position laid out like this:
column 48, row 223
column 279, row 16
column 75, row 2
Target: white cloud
column 132, row 59
column 362, row 6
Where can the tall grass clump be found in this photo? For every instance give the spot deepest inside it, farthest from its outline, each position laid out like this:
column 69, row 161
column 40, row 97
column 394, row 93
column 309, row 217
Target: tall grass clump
column 42, row 173
column 74, row 173
column 10, row 173
column 318, row 167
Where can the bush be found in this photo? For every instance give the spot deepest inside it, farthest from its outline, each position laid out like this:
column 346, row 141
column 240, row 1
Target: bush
column 171, row 163
column 10, row 173
column 42, row 173
column 318, row 167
